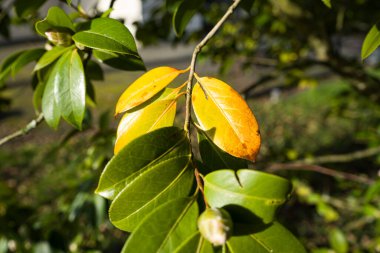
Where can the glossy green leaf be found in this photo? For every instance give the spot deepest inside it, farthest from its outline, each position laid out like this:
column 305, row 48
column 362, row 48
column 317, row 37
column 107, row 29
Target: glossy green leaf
column 165, row 229
column 49, row 106
column 258, row 192
column 327, row 3
column 120, row 61
column 6, row 66
column 371, row 42
column 195, row 243
column 26, row 9
column 160, row 112
column 107, row 34
column 169, row 177
column 183, row 14
column 56, row 20
column 37, row 95
column 137, row 155
column 50, row 56
column 70, row 87
column 272, row 239
column 214, row 158
column 338, row 241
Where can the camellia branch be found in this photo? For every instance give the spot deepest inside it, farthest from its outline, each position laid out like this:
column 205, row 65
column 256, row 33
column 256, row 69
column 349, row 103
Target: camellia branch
column 197, row 50
column 30, row 126
column 319, row 169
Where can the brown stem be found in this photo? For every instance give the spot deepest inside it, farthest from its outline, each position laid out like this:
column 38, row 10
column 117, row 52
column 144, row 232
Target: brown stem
column 199, row 179
column 29, row 127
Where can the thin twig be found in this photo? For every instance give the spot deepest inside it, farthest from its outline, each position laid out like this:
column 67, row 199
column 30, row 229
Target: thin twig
column 30, row 126
column 319, row 169
column 197, row 50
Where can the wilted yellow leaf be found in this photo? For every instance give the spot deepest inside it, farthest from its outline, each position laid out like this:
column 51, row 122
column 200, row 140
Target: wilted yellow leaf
column 159, row 113
column 145, row 87
column 226, row 118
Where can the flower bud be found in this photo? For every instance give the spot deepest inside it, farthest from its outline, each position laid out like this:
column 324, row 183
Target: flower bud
column 215, row 225
column 59, row 38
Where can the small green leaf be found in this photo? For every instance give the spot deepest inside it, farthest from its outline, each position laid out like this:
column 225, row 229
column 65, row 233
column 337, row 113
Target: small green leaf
column 138, row 154
column 169, row 177
column 166, row 228
column 183, row 14
column 371, row 42
column 327, row 3
column 56, row 20
column 70, row 87
column 106, row 34
column 258, row 192
column 214, row 158
column 50, row 56
column 120, row 61
column 338, row 241
column 271, row 239
column 6, row 66
column 26, row 9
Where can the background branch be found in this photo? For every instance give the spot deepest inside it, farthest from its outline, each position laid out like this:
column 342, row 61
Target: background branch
column 29, row 127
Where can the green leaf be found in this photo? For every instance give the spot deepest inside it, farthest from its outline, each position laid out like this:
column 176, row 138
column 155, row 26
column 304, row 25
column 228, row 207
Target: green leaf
column 70, row 87
column 338, row 241
column 172, row 5
column 56, row 20
column 258, row 192
column 169, row 177
column 183, row 14
column 6, row 66
column 69, row 2
column 50, row 56
column 327, row 3
column 165, row 229
column 26, row 9
column 106, row 34
column 50, row 108
column 138, row 154
column 371, row 42
column 156, row 113
column 272, row 239
column 37, row 95
column 120, row 61
column 195, row 243
column 214, row 158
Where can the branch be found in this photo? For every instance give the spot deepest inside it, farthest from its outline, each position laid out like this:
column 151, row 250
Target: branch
column 30, row 126
column 319, row 169
column 197, row 50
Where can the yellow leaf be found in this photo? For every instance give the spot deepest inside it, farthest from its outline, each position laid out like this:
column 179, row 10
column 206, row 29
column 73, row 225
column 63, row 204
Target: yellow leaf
column 159, row 113
column 145, row 87
column 226, row 118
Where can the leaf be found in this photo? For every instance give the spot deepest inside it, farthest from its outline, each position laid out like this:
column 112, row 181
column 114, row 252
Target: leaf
column 272, row 239
column 138, row 154
column 172, row 5
column 183, row 14
column 69, row 2
column 145, row 87
column 159, row 113
column 327, row 3
column 50, row 56
column 26, row 9
column 226, row 118
column 166, row 228
column 195, row 243
column 106, row 34
column 214, row 158
column 120, row 61
column 168, row 177
column 50, row 108
column 338, row 241
column 94, row 71
column 258, row 192
column 371, row 42
column 56, row 20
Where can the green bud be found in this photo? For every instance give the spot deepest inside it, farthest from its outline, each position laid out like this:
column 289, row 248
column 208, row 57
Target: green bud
column 59, row 38
column 215, row 225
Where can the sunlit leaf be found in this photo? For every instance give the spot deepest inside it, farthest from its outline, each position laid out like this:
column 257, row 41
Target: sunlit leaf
column 226, row 118
column 183, row 14
column 135, row 156
column 120, row 61
column 107, row 34
column 327, row 3
column 49, row 106
column 195, row 243
column 166, row 228
column 269, row 239
column 159, row 113
column 56, row 20
column 338, row 241
column 146, row 87
column 50, row 56
column 168, row 177
column 259, row 193
column 214, row 158
column 371, row 42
